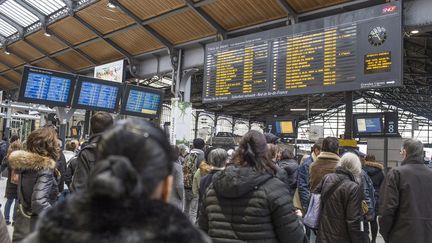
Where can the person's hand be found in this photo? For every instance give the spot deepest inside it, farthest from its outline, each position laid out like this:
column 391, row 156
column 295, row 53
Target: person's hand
column 299, row 213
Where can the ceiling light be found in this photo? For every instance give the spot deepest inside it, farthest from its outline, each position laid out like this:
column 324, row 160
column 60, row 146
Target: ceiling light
column 6, row 52
column 415, row 32
column 298, row 109
column 47, row 34
column 111, row 6
column 318, row 109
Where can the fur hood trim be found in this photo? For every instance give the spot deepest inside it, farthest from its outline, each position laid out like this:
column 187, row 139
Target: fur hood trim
column 24, row 160
column 374, row 164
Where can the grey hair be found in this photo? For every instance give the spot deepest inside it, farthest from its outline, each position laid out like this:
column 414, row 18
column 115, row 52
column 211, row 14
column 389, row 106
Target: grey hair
column 218, row 157
column 413, row 147
column 351, row 162
column 183, row 149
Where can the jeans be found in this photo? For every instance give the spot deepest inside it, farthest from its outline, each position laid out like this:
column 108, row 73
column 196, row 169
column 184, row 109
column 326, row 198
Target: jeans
column 8, row 208
column 191, row 205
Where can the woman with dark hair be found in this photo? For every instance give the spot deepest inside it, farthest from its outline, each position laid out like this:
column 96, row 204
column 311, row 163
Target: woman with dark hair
column 290, row 166
column 127, row 194
column 37, row 187
column 247, row 203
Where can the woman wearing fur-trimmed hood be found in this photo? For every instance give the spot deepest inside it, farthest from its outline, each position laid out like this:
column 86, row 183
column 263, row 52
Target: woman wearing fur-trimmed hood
column 37, row 187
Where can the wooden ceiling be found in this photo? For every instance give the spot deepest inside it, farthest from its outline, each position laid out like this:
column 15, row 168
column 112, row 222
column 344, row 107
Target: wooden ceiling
column 97, row 34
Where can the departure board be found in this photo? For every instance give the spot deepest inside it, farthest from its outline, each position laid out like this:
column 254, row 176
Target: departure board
column 351, row 51
column 42, row 86
column 97, row 94
column 142, row 101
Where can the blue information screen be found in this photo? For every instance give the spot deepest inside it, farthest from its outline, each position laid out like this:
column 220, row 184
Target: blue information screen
column 143, row 102
column 47, row 87
column 369, row 125
column 98, row 95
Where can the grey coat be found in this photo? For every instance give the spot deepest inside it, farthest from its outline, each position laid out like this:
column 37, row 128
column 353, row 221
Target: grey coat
column 177, row 194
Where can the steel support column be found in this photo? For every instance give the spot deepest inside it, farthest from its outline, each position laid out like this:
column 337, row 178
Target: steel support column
column 348, row 115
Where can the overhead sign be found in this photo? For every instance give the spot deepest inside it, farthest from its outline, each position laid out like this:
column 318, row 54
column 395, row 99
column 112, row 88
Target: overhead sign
column 351, row 51
column 111, row 71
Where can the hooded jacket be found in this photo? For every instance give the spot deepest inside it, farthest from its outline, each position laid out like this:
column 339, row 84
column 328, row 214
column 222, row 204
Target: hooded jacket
column 341, row 213
column 37, row 187
column 376, row 174
column 291, row 167
column 326, row 163
column 246, row 205
column 80, row 219
column 405, row 203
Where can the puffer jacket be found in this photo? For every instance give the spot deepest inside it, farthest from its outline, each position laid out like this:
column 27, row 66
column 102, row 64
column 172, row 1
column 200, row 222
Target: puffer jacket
column 37, row 187
column 291, row 167
column 326, row 163
column 341, row 213
column 246, row 205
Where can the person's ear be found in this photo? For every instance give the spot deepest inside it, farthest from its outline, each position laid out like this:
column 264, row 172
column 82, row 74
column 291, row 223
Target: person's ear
column 167, row 188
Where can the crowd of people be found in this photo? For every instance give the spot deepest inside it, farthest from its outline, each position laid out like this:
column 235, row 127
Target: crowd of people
column 128, row 184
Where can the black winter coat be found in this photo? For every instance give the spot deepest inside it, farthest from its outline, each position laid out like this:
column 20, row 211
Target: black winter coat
column 37, row 187
column 245, row 205
column 61, row 167
column 11, row 188
column 80, row 219
column 405, row 203
column 290, row 166
column 85, row 162
column 341, row 213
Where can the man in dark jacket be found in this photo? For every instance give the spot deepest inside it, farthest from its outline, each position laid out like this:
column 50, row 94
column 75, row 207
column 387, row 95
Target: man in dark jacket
column 303, row 176
column 405, row 203
column 86, row 158
column 326, row 162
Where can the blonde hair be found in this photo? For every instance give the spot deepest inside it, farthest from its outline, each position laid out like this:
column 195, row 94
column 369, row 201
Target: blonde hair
column 17, row 145
column 351, row 162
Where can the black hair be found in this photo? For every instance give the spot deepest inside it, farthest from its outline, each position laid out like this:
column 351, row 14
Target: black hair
column 330, row 144
column 198, row 143
column 100, row 122
column 207, row 152
column 134, row 157
column 14, row 138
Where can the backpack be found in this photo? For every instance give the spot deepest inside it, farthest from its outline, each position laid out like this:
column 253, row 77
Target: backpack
column 189, row 169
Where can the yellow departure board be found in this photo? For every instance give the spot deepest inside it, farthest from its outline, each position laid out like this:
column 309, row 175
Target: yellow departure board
column 350, row 51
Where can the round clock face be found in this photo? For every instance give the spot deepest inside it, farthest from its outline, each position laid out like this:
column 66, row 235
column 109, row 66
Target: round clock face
column 377, row 36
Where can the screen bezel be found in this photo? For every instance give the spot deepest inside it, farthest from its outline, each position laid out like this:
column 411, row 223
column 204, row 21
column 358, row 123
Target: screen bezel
column 125, row 98
column 24, row 81
column 357, row 133
column 82, row 79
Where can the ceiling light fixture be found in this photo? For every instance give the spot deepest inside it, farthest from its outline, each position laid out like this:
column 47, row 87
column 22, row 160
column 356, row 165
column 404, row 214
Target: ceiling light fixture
column 298, row 109
column 47, row 34
column 111, row 6
column 7, row 53
column 415, row 32
column 318, row 109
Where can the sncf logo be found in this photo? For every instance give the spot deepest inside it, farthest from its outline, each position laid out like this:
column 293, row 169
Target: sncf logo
column 389, row 9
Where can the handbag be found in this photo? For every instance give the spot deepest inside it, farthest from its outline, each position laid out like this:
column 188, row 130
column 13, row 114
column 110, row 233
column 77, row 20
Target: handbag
column 313, row 213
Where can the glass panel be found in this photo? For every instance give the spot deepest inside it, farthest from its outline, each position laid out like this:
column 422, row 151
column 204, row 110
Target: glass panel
column 6, row 29
column 47, row 7
column 18, row 13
